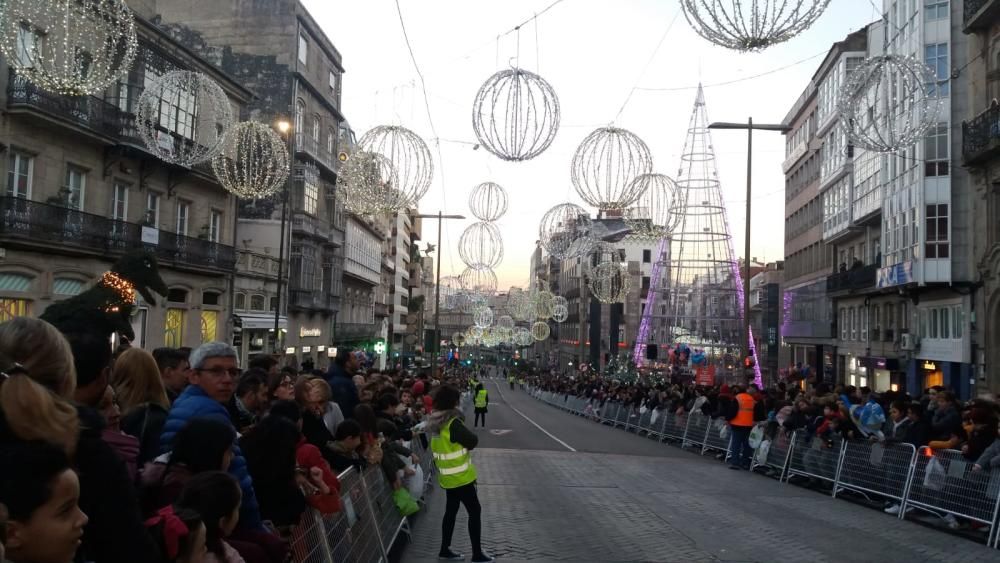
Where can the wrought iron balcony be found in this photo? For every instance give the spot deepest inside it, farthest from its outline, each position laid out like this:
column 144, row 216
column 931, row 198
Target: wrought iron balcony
column 316, row 150
column 979, row 15
column 30, row 223
column 309, row 299
column 853, row 280
column 355, row 331
column 981, row 136
column 88, row 112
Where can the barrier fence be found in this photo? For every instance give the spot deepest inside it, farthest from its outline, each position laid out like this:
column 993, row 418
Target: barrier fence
column 368, row 522
column 938, row 482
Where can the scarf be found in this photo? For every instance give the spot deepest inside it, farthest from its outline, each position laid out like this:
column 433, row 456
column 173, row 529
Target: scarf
column 437, row 420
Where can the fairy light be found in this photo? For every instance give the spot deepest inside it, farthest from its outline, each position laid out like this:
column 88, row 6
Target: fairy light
column 253, row 162
column 540, row 331
column 564, row 231
column 751, row 25
column 69, row 47
column 650, row 218
column 606, row 165
column 515, row 115
column 609, row 282
column 412, row 164
column 481, row 246
column 122, row 287
column 488, row 201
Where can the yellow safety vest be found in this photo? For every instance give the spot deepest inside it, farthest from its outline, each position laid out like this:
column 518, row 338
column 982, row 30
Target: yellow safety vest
column 481, row 400
column 453, row 461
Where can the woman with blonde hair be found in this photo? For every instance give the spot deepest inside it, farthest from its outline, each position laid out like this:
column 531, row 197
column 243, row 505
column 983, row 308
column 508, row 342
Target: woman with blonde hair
column 36, row 389
column 143, row 400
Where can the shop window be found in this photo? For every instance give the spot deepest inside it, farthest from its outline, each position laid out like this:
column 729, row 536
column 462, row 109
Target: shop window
column 173, row 336
column 12, row 308
column 209, row 326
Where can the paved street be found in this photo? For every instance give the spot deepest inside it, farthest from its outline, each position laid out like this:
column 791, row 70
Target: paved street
column 619, row 497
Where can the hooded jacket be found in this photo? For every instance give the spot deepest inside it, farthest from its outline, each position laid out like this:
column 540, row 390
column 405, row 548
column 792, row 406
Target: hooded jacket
column 343, row 389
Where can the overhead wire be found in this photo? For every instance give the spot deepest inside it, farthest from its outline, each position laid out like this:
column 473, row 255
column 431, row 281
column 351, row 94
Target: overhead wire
column 736, row 80
column 648, row 62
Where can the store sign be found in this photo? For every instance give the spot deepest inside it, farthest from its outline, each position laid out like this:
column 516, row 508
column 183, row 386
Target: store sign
column 309, row 332
column 930, row 366
column 897, row 274
column 321, row 348
column 306, row 349
column 331, row 352
column 150, row 235
column 290, row 350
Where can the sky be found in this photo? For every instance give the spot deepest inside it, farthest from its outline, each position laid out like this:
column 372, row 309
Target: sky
column 597, row 55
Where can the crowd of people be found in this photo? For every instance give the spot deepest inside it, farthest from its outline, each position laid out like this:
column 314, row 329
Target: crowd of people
column 181, row 456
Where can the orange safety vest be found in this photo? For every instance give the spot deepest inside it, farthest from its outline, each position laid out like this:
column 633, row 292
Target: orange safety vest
column 744, row 417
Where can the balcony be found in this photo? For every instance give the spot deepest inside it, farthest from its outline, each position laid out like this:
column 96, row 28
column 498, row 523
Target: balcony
column 868, row 207
column 307, row 225
column 88, row 112
column 857, row 279
column 355, row 331
column 979, row 15
column 32, row 224
column 316, row 151
column 381, row 310
column 256, row 264
column 981, row 137
column 308, row 299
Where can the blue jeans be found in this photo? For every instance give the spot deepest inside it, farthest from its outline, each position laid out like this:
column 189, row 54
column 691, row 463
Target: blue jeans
column 739, row 446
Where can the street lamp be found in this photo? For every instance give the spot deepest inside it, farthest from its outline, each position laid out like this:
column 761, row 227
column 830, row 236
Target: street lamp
column 285, row 128
column 749, row 126
column 437, row 281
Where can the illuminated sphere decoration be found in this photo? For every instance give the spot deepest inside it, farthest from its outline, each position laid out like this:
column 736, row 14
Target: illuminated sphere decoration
column 522, row 336
column 515, row 115
column 451, row 290
column 751, row 25
column 540, row 331
column 482, row 316
column 488, row 201
column 605, row 166
column 890, row 102
column 458, row 339
column 602, row 252
column 471, row 301
column 412, row 163
column 68, row 47
column 481, row 246
column 253, row 162
column 565, row 231
column 366, row 183
column 610, row 282
column 559, row 300
column 650, row 218
column 544, row 304
column 490, row 338
column 560, row 313
column 505, row 335
column 505, row 322
column 476, row 331
column 479, row 282
column 213, row 117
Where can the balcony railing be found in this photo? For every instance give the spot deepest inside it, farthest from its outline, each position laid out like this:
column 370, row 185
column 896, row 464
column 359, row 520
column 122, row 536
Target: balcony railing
column 979, row 14
column 981, row 136
column 310, row 299
column 310, row 226
column 355, row 331
column 33, row 223
column 852, row 280
column 317, row 150
column 259, row 264
column 87, row 111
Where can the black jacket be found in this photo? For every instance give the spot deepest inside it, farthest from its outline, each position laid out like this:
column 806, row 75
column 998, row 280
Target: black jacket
column 462, row 435
column 145, row 423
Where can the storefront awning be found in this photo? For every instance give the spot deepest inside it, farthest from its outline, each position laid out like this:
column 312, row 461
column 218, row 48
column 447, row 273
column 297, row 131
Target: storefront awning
column 262, row 321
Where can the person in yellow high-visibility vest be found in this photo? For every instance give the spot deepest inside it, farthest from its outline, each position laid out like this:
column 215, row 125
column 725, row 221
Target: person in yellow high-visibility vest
column 482, row 401
column 451, row 445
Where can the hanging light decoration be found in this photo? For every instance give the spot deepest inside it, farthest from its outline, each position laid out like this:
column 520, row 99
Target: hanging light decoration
column 515, row 114
column 503, row 334
column 213, row 117
column 69, row 47
column 605, row 167
column 412, row 164
column 471, row 301
column 367, row 185
column 479, row 282
column 651, row 218
column 490, row 338
column 540, row 331
column 565, row 231
column 458, row 339
column 522, row 336
column 451, row 291
column 544, row 304
column 481, row 246
column 560, row 313
column 751, row 25
column 253, row 162
column 602, row 252
column 559, row 300
column 889, row 103
column 505, row 322
column 610, row 282
column 482, row 316
column 488, row 201
column 476, row 331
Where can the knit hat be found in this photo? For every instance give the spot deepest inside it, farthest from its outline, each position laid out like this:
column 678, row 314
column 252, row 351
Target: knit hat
column 418, row 388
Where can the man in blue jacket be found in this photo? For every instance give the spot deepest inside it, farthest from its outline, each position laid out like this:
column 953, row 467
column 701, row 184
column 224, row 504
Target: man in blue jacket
column 214, row 373
column 341, row 380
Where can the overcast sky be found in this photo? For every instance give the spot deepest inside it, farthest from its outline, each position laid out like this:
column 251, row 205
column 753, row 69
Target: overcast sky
column 593, row 53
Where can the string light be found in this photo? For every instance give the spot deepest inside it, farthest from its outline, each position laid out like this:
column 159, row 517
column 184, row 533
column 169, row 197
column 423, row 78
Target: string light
column 565, row 231
column 412, row 164
column 515, row 114
column 751, row 25
column 121, row 286
column 253, row 162
column 482, row 316
column 651, row 218
column 540, row 331
column 488, row 201
column 605, row 166
column 69, row 47
column 560, row 313
column 480, row 282
column 610, row 282
column 481, row 246
column 367, row 184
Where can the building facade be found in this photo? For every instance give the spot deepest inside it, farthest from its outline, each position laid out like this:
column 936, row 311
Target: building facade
column 766, row 310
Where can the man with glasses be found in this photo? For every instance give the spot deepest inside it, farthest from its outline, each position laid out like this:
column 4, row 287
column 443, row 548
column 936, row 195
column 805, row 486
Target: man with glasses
column 214, row 374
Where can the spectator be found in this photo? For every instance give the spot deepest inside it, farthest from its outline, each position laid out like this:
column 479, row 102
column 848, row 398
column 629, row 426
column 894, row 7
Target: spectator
column 41, row 492
column 174, row 369
column 346, row 443
column 143, row 400
column 946, row 423
column 35, row 400
column 980, row 425
column 741, row 422
column 180, row 535
column 126, row 446
column 342, row 387
column 326, row 497
column 388, row 408
column 281, row 387
column 215, row 495
column 213, row 373
column 270, row 453
column 249, row 401
column 267, row 364
column 311, row 395
column 989, row 460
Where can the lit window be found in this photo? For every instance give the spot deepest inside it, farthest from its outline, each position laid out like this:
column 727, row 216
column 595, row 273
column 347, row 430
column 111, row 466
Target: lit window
column 12, row 308
column 209, row 326
column 303, row 49
column 173, row 335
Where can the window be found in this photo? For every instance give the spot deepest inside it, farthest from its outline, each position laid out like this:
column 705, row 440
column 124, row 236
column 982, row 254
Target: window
column 177, row 296
column 303, row 48
column 177, row 113
column 153, row 209
column 215, row 226
column 183, row 211
column 854, row 323
column 67, row 286
column 310, row 196
column 256, row 302
column 330, row 140
column 936, row 56
column 937, row 231
column 209, row 326
column 315, row 128
column 645, row 282
column 241, row 302
column 27, row 45
column 936, row 151
column 76, row 185
column 173, row 333
column 210, row 297
column 19, row 174
column 333, row 81
column 119, row 202
column 935, row 9
column 647, row 256
column 300, row 116
column 863, row 313
column 273, row 305
column 843, row 324
column 12, row 308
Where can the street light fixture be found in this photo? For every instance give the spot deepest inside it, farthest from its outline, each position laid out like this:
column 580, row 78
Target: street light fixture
column 437, row 281
column 749, row 126
column 285, row 128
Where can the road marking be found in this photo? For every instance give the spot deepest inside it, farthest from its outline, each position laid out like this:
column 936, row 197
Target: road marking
column 499, row 432
column 525, row 417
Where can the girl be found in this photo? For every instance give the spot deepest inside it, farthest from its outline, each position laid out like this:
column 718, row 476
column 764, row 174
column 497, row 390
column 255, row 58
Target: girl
column 127, row 447
column 216, row 497
column 143, row 400
column 180, row 533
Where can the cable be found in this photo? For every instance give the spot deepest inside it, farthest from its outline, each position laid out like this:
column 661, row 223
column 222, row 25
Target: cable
column 648, row 62
column 737, row 80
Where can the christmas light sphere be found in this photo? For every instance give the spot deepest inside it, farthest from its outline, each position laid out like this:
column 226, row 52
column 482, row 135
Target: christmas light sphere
column 650, row 218
column 253, row 162
column 540, row 331
column 751, row 25
column 411, row 161
column 890, row 102
column 560, row 313
column 170, row 141
column 481, row 282
column 559, row 300
column 68, row 47
column 365, row 183
column 565, row 231
column 471, row 339
column 476, row 331
column 505, row 322
column 458, row 339
column 605, row 166
column 482, row 316
column 515, row 115
column 490, row 338
column 472, row 301
column 451, row 291
column 544, row 304
column 522, row 336
column 481, row 246
column 609, row 282
column 522, row 307
column 488, row 201
column 602, row 252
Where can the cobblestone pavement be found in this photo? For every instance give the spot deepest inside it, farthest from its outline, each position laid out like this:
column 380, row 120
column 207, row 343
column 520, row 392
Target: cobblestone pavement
column 627, row 498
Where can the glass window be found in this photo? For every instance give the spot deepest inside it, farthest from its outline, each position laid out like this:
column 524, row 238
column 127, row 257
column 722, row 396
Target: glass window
column 647, row 256
column 27, row 45
column 315, row 128
column 333, row 80
column 936, row 57
column 173, row 334
column 209, row 326
column 303, row 49
column 12, row 308
column 177, row 296
column 945, row 331
column 256, row 302
column 19, row 173
column 854, row 323
column 241, row 302
column 215, row 226
column 936, row 151
column 119, row 202
column 273, row 305
column 66, row 286
column 153, row 209
column 183, row 212
column 75, row 188
column 959, row 317
column 935, row 9
column 937, row 231
column 310, row 196
column 300, row 117
column 210, row 297
column 863, row 313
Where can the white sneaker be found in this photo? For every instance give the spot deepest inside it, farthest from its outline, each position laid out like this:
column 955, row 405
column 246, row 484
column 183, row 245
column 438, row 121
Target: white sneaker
column 894, row 510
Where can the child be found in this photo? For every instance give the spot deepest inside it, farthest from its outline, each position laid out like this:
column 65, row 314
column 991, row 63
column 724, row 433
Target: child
column 180, row 535
column 42, row 496
column 217, row 497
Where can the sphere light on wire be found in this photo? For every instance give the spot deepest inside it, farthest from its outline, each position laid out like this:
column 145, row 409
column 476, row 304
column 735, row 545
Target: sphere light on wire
column 751, row 25
column 488, row 201
column 605, row 166
column 253, row 162
column 565, row 231
column 412, row 163
column 651, row 217
column 609, row 282
column 515, row 114
column 184, row 146
column 481, row 246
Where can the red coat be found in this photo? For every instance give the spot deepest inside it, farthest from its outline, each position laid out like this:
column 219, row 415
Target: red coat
column 309, row 456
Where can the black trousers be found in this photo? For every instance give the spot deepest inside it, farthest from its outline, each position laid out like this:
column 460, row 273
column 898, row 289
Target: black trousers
column 467, row 496
column 479, row 415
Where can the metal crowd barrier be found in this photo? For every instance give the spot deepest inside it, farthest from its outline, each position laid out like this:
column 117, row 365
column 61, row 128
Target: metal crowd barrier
column 937, row 482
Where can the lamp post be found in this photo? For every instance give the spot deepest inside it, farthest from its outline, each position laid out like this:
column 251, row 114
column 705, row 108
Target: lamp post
column 749, row 126
column 285, row 127
column 437, row 281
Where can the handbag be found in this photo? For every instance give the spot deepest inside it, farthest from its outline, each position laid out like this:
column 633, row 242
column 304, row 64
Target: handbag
column 935, row 475
column 756, row 436
column 760, row 456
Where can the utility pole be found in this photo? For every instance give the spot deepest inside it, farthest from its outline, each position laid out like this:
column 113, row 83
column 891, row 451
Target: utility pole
column 437, row 283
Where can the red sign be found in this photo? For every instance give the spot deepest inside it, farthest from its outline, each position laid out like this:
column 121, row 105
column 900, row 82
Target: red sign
column 705, row 376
